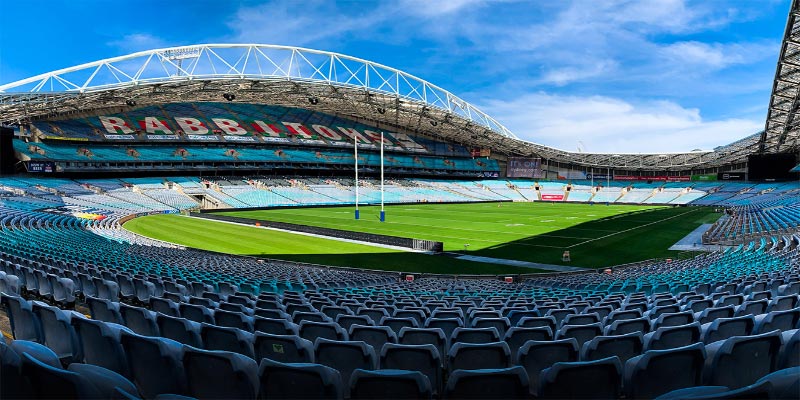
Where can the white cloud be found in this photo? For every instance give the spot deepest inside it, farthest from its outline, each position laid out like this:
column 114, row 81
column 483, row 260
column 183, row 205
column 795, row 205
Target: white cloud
column 138, row 42
column 610, row 125
column 715, row 55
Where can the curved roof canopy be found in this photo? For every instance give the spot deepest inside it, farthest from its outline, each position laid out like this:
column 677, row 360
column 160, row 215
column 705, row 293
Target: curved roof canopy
column 297, row 77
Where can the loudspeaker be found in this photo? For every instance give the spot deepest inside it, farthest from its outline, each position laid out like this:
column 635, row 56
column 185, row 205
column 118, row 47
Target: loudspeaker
column 7, row 158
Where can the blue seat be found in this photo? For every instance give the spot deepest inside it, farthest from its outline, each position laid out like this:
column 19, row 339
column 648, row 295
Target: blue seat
column 581, row 333
column 447, row 325
column 623, row 347
column 25, row 325
column 389, row 384
column 220, row 374
column 36, row 350
column 475, row 335
column 232, row 319
column 755, row 391
column 741, row 360
column 670, row 337
column 712, row 313
column 283, row 348
column 621, row 327
column 654, row 372
column 101, row 345
column 397, row 324
column 196, row 313
column 433, row 336
column 227, row 339
column 535, row 356
column 298, row 381
column 105, row 381
column 494, row 355
column 104, row 310
column 346, row 321
column 424, row 358
column 723, row 328
column 180, row 330
column 500, row 324
column 63, row 291
column 275, row 326
column 375, row 336
column 14, row 384
column 783, row 320
column 53, row 382
column 155, row 364
column 783, row 384
column 506, row 383
column 345, row 356
column 312, row 330
column 672, row 319
column 790, row 352
column 139, row 320
column 517, row 336
column 533, row 322
column 597, row 379
column 57, row 331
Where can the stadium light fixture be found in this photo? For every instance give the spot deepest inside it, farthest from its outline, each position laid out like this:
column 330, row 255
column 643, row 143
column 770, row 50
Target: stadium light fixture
column 229, row 96
column 130, row 103
column 434, row 123
column 381, row 110
column 313, row 100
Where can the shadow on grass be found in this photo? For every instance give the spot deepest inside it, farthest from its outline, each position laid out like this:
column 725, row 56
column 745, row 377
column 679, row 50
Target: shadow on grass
column 608, row 241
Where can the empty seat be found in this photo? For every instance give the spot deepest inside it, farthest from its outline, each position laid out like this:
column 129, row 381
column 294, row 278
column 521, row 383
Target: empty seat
column 100, row 344
column 741, row 360
column 227, row 339
column 723, row 328
column 220, row 374
column 276, row 326
column 139, row 320
column 783, row 320
column 346, row 321
column 25, row 324
column 389, row 384
column 506, row 383
column 660, row 371
column 598, row 379
column 375, row 336
column 581, row 319
column 712, row 313
column 670, row 337
column 621, row 327
column 475, row 335
column 311, row 330
column 447, row 325
column 165, row 306
column 104, row 310
column 672, row 319
column 533, row 322
column 298, row 381
column 517, row 336
column 80, row 381
column 57, row 331
column 155, row 364
column 233, row 319
column 623, row 347
column 479, row 356
column 345, row 356
column 283, row 348
column 424, row 358
column 434, row 336
column 500, row 324
column 397, row 324
column 196, row 313
column 180, row 329
column 783, row 384
column 535, row 356
column 581, row 333
column 790, row 352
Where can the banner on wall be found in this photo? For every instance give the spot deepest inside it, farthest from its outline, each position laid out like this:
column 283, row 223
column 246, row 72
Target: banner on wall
column 519, row 167
column 552, row 197
column 704, row 177
column 652, row 178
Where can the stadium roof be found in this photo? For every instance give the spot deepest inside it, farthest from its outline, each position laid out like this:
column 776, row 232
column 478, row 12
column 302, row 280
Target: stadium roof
column 782, row 130
column 312, row 79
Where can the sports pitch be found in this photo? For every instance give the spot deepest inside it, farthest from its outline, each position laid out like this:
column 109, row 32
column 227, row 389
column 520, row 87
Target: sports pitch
column 595, row 235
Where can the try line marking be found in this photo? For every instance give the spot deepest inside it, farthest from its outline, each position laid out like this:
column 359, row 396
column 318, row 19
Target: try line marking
column 630, row 229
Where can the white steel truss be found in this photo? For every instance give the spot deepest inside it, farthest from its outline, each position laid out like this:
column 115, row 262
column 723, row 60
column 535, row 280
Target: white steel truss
column 782, row 130
column 297, row 77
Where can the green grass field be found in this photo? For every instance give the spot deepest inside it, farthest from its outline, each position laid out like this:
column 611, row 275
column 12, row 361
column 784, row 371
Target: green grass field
column 595, row 235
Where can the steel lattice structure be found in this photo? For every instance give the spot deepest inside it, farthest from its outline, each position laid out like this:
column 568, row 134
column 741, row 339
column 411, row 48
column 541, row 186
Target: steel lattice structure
column 782, row 130
column 317, row 80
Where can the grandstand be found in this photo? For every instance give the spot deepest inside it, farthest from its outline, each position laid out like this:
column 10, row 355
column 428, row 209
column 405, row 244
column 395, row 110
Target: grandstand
column 93, row 310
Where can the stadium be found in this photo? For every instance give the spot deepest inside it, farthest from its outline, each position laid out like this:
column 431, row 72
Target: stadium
column 260, row 221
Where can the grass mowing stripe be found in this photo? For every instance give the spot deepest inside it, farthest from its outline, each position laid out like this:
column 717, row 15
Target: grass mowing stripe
column 247, row 240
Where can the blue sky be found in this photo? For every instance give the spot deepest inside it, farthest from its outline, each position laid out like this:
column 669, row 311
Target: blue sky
column 603, row 76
